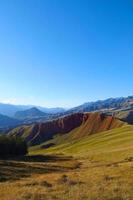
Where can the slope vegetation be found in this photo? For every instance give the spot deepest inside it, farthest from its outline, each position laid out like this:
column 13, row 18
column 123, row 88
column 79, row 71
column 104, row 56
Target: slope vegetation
column 117, row 142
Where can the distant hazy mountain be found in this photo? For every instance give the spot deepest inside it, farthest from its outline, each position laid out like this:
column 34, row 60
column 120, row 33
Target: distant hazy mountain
column 120, row 107
column 7, row 122
column 10, row 110
column 30, row 114
column 112, row 103
column 51, row 110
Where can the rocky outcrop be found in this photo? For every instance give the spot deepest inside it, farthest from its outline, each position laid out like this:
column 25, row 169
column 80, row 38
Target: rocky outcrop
column 96, row 123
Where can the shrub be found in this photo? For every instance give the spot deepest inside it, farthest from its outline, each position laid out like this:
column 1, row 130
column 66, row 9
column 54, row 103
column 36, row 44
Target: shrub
column 11, row 146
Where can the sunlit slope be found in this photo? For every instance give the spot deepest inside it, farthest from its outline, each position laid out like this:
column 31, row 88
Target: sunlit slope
column 96, row 124
column 72, row 127
column 92, row 124
column 116, row 140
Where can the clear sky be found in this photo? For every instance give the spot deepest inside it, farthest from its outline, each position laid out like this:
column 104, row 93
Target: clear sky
column 65, row 52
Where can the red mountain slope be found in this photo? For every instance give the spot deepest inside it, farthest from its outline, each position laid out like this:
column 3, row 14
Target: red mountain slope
column 87, row 123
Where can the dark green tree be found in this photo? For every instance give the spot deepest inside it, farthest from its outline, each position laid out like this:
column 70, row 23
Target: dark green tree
column 12, row 146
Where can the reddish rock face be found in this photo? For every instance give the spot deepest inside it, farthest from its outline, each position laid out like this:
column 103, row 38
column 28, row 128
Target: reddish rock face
column 63, row 125
column 89, row 123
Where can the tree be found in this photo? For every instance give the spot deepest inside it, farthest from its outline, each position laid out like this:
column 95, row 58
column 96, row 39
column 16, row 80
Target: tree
column 11, row 146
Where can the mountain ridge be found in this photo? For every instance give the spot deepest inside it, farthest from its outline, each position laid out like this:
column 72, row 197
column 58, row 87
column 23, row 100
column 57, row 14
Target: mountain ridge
column 11, row 109
column 120, row 107
column 8, row 122
column 110, row 103
column 29, row 113
column 90, row 123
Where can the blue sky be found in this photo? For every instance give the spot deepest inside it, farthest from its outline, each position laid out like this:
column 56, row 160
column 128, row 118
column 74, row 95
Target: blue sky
column 65, row 52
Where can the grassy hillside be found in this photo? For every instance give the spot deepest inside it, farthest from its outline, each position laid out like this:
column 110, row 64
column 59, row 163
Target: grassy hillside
column 116, row 140
column 96, row 167
column 89, row 128
column 106, row 163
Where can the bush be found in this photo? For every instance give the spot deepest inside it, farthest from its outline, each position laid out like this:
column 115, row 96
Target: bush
column 11, row 146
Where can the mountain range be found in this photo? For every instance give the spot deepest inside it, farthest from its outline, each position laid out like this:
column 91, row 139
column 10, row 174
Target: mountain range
column 10, row 110
column 121, row 108
column 108, row 104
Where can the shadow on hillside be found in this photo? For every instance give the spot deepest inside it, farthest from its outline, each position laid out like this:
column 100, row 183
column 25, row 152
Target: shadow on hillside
column 24, row 167
column 42, row 158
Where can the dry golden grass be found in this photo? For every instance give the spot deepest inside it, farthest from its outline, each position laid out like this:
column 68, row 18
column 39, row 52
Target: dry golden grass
column 100, row 169
column 91, row 181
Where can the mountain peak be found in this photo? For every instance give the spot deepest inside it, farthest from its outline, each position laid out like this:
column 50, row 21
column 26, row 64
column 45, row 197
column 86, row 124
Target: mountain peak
column 34, row 109
column 29, row 113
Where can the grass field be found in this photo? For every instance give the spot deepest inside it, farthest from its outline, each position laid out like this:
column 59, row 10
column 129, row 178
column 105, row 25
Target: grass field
column 98, row 167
